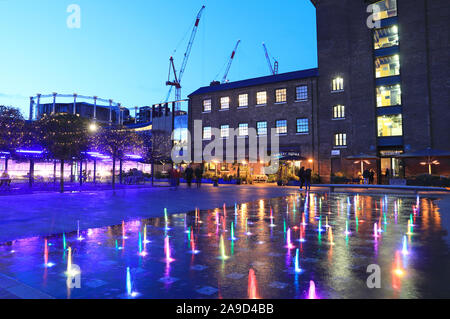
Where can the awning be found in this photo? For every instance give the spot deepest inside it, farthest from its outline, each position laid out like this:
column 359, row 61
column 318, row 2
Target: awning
column 428, row 152
column 361, row 156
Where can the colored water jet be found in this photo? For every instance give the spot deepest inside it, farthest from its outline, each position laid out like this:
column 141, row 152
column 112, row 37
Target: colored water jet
column 271, row 218
column 223, row 254
column 347, row 231
column 289, row 244
column 252, row 285
column 232, row 232
column 64, row 242
column 375, row 231
column 168, row 259
column 297, row 268
column 405, row 246
column 79, row 237
column 312, row 290
column 330, row 236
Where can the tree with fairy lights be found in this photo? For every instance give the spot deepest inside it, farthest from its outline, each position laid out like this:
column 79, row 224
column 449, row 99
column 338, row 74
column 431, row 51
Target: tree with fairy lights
column 12, row 126
column 117, row 142
column 158, row 147
column 65, row 137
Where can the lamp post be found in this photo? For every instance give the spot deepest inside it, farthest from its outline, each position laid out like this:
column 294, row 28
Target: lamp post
column 74, row 111
column 54, row 103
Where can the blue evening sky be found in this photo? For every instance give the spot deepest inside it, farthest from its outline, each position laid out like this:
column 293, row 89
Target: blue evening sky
column 123, row 47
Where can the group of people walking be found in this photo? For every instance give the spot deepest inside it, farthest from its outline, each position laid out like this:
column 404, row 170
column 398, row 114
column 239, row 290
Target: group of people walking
column 305, row 177
column 189, row 174
column 368, row 176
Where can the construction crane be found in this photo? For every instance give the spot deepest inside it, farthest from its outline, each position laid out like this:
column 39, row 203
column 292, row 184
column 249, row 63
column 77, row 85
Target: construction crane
column 227, row 70
column 274, row 68
column 176, row 82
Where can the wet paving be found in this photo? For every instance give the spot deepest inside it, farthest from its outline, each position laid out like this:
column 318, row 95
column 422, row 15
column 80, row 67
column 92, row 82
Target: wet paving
column 298, row 246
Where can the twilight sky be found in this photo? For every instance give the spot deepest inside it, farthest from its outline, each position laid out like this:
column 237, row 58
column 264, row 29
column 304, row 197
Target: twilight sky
column 123, row 47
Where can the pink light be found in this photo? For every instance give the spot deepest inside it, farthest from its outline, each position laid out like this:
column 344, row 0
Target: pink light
column 312, row 290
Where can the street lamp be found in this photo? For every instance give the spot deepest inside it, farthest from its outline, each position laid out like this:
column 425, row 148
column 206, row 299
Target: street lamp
column 93, row 127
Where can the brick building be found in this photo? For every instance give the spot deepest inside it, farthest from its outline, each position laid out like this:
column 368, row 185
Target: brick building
column 380, row 93
column 284, row 101
column 383, row 86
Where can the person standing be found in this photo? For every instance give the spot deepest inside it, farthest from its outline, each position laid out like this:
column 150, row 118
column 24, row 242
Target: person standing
column 199, row 176
column 371, row 176
column 301, row 176
column 366, row 175
column 308, row 174
column 189, row 175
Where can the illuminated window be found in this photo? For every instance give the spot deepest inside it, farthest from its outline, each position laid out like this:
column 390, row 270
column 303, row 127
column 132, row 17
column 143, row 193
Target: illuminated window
column 261, row 98
column 338, row 111
column 389, row 95
column 243, row 100
column 302, row 125
column 340, row 139
column 207, row 105
column 301, row 93
column 281, row 127
column 224, row 131
column 261, row 128
column 337, row 84
column 387, row 66
column 390, row 125
column 384, row 9
column 386, row 37
column 243, row 129
column 207, row 133
column 225, row 103
column 280, row 96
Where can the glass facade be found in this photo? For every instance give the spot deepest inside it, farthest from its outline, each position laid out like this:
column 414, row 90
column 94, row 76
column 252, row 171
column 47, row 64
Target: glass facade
column 387, row 66
column 280, row 96
column 385, row 37
column 390, row 125
column 389, row 95
column 384, row 9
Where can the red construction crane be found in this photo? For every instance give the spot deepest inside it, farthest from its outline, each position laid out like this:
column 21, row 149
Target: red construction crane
column 274, row 68
column 224, row 79
column 176, row 82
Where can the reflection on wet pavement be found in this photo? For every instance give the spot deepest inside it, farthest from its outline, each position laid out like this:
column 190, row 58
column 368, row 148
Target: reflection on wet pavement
column 299, row 246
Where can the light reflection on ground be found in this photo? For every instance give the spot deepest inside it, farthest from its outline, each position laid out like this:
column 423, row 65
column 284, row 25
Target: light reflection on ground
column 290, row 247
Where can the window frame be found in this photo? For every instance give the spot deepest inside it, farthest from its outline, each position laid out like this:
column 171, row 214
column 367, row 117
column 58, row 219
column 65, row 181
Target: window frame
column 285, row 96
column 210, row 105
column 340, row 140
column 257, row 128
column 261, row 104
column 239, row 130
column 284, row 127
column 210, row 133
column 239, row 101
column 339, row 80
column 297, row 126
column 341, row 111
column 228, row 131
column 296, row 93
column 221, row 105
